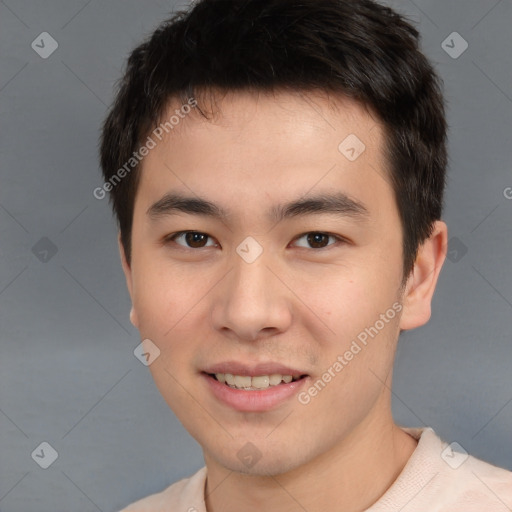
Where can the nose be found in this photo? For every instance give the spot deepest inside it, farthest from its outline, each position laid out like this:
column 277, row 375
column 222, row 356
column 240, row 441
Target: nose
column 251, row 303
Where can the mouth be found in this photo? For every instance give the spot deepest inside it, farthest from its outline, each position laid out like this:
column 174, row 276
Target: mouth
column 256, row 382
column 253, row 387
column 254, row 393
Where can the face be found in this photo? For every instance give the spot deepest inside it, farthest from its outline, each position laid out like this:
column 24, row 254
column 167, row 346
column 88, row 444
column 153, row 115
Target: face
column 262, row 247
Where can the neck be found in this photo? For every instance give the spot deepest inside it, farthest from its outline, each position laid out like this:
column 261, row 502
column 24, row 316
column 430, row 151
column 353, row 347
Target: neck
column 354, row 474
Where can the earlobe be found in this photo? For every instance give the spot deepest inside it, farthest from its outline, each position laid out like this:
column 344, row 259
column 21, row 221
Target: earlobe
column 133, row 318
column 422, row 281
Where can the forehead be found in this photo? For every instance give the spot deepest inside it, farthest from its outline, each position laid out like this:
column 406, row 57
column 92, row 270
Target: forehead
column 300, row 116
column 266, row 144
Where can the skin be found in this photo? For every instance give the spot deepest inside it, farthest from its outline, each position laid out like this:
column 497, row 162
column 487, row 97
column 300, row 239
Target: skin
column 298, row 305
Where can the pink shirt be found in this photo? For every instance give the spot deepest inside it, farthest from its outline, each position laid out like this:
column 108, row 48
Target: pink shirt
column 435, row 479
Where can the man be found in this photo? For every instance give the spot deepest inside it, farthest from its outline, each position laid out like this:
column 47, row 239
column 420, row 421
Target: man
column 277, row 171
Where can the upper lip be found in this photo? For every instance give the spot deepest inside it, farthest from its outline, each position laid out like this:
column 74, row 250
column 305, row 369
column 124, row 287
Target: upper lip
column 253, row 370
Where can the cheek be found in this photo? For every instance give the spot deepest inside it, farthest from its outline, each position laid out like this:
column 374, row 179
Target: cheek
column 356, row 364
column 171, row 304
column 165, row 295
column 362, row 311
column 353, row 299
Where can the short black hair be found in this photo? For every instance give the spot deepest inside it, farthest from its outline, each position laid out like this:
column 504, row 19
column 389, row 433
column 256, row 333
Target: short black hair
column 354, row 48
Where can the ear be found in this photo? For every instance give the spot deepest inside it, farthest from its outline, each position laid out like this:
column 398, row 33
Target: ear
column 129, row 281
column 422, row 280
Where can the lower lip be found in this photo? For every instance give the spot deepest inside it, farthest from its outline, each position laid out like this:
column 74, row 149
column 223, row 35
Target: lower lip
column 254, row 401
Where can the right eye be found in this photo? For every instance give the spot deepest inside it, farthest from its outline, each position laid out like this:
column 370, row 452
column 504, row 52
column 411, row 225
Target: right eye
column 190, row 239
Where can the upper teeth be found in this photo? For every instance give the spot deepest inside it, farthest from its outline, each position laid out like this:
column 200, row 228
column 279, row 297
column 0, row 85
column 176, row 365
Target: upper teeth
column 247, row 382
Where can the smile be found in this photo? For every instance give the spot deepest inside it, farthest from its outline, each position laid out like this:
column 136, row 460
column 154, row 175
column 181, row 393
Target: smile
column 257, row 393
column 257, row 382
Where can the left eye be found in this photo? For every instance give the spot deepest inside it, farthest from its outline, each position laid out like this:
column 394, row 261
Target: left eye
column 192, row 239
column 316, row 240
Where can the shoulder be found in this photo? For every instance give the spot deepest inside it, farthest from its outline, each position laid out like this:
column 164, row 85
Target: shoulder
column 446, row 478
column 477, row 484
column 186, row 494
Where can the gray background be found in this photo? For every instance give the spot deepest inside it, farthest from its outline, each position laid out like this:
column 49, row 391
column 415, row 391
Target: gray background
column 68, row 375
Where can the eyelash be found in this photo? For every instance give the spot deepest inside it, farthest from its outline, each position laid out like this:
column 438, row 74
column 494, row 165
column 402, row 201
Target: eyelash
column 172, row 238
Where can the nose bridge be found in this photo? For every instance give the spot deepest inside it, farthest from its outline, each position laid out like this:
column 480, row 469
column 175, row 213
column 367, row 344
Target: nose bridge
column 250, row 281
column 251, row 299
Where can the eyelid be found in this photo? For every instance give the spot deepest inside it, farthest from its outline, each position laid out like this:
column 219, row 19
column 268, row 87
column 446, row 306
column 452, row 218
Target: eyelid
column 338, row 238
column 177, row 234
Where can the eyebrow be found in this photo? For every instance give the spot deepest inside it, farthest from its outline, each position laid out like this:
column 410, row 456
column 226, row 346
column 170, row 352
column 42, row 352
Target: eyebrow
column 336, row 203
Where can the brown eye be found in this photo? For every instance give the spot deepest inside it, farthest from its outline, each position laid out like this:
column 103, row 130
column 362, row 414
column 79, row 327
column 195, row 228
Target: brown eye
column 191, row 239
column 318, row 240
column 196, row 239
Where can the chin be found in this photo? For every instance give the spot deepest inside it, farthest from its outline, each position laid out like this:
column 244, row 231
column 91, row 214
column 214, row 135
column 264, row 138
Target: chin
column 269, row 467
column 267, row 458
